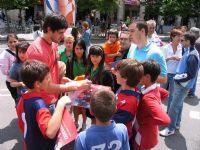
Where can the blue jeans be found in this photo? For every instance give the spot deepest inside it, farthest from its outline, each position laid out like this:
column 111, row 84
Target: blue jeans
column 170, row 85
column 176, row 106
column 193, row 89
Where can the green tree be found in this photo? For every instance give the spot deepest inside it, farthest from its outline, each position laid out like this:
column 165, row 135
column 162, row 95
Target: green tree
column 103, row 6
column 15, row 4
column 152, row 8
column 184, row 8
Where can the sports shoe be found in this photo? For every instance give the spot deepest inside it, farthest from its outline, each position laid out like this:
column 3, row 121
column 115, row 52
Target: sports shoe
column 166, row 132
column 177, row 127
column 190, row 96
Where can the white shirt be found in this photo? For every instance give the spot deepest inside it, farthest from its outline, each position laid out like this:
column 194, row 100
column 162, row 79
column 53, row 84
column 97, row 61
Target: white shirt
column 168, row 52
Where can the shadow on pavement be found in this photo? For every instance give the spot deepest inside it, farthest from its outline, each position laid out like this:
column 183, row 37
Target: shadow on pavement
column 176, row 141
column 12, row 132
column 192, row 101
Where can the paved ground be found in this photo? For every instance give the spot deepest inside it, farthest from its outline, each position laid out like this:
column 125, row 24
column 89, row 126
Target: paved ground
column 188, row 138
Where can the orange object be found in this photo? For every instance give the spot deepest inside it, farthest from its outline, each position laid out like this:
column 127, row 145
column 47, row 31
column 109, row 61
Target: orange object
column 110, row 48
column 79, row 78
column 67, row 9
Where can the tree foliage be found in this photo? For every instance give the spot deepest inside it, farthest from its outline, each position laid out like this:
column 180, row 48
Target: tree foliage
column 152, row 8
column 16, row 4
column 103, row 6
column 182, row 7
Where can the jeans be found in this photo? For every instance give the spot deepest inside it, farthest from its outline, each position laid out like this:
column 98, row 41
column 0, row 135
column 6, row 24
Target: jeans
column 170, row 85
column 176, row 106
column 193, row 89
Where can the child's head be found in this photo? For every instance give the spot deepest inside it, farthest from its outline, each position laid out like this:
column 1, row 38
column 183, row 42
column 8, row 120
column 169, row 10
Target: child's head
column 21, row 49
column 129, row 72
column 68, row 42
column 151, row 72
column 103, row 105
column 79, row 50
column 12, row 41
column 85, row 25
column 35, row 75
column 96, row 56
column 112, row 35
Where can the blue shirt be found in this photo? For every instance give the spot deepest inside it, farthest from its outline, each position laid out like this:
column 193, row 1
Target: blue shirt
column 108, row 137
column 150, row 51
column 15, row 75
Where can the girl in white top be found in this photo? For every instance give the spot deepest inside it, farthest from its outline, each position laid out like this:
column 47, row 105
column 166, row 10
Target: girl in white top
column 7, row 57
column 172, row 53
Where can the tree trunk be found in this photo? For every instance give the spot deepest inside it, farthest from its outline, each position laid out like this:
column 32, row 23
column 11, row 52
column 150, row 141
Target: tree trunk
column 7, row 21
column 198, row 21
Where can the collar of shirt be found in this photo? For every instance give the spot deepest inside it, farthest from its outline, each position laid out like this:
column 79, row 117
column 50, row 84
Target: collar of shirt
column 150, row 88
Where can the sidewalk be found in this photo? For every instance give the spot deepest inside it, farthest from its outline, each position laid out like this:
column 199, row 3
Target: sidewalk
column 29, row 37
column 21, row 36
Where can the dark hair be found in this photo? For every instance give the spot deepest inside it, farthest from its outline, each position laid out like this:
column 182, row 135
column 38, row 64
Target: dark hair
column 55, row 22
column 11, row 35
column 75, row 33
column 113, row 32
column 130, row 69
column 141, row 25
column 152, row 68
column 22, row 46
column 103, row 105
column 191, row 37
column 71, row 60
column 80, row 43
column 32, row 71
column 36, row 27
column 98, row 51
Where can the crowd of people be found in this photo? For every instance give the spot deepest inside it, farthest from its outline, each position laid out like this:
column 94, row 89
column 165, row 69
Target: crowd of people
column 139, row 68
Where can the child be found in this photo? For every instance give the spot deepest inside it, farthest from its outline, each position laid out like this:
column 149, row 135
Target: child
column 111, row 47
column 66, row 53
column 76, row 66
column 15, row 77
column 150, row 113
column 7, row 58
column 128, row 73
column 106, row 134
column 96, row 71
column 35, row 120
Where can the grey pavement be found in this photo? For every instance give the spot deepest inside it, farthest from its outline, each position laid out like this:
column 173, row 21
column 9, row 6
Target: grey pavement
column 187, row 138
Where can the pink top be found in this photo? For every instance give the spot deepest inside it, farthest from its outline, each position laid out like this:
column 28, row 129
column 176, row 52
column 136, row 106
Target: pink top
column 6, row 61
column 47, row 53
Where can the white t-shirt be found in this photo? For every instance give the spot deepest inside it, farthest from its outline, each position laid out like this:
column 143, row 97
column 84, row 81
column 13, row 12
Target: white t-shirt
column 168, row 52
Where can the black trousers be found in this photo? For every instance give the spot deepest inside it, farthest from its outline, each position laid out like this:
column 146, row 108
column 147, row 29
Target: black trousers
column 13, row 91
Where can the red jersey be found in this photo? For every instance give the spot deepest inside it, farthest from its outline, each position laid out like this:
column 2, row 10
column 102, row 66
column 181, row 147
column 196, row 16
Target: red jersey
column 150, row 114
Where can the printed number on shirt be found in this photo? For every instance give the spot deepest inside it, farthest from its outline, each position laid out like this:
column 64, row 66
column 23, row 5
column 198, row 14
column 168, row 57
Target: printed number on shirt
column 114, row 145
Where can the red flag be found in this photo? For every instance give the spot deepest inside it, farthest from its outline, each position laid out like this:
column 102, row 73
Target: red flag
column 67, row 132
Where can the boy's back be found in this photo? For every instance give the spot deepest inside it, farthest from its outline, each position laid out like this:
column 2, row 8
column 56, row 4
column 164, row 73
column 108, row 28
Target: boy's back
column 113, row 136
column 105, row 134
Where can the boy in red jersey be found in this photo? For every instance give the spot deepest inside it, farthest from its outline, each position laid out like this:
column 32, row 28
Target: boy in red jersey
column 150, row 113
column 128, row 73
column 35, row 120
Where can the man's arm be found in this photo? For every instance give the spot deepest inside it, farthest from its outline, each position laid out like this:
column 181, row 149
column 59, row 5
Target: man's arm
column 55, row 121
column 69, row 86
column 161, row 79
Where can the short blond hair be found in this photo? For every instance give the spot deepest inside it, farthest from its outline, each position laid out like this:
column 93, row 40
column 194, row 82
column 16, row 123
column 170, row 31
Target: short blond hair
column 69, row 37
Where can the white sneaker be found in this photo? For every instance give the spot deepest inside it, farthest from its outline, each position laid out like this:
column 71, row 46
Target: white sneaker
column 166, row 132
